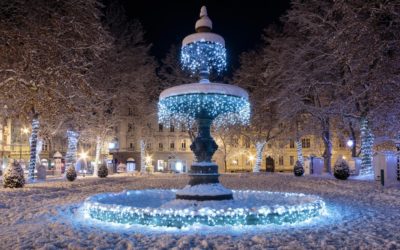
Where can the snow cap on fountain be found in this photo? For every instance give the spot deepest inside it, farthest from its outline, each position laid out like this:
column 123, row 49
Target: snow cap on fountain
column 203, row 52
column 204, row 23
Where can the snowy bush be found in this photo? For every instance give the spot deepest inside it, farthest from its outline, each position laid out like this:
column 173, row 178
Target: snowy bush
column 71, row 173
column 341, row 169
column 103, row 171
column 13, row 176
column 298, row 169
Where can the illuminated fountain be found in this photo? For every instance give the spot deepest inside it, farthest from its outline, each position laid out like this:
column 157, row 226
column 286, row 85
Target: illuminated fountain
column 204, row 200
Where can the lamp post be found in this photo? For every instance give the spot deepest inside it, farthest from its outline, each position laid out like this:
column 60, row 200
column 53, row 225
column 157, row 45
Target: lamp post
column 24, row 131
column 83, row 156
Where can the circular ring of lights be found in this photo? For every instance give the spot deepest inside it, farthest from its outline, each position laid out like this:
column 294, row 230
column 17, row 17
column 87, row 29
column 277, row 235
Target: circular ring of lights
column 160, row 208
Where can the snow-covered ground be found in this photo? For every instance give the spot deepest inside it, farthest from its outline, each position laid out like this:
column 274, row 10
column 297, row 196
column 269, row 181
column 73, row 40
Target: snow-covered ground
column 45, row 215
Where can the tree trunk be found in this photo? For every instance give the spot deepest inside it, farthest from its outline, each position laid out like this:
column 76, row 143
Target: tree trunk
column 70, row 157
column 260, row 145
column 367, row 143
column 97, row 157
column 354, row 139
column 326, row 137
column 299, row 148
column 142, row 157
column 34, row 139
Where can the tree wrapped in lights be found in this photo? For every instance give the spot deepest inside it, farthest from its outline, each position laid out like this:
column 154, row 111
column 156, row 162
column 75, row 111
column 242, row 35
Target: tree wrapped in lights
column 367, row 142
column 72, row 138
column 34, row 141
column 204, row 103
column 142, row 156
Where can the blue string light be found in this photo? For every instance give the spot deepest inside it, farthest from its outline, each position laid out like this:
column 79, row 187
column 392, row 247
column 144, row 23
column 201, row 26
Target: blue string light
column 225, row 109
column 203, row 55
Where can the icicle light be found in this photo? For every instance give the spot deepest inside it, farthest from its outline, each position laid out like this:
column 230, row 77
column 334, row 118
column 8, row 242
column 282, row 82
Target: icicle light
column 204, row 55
column 182, row 108
column 255, row 208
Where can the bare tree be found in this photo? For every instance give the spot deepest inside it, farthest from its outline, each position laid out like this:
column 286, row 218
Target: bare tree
column 47, row 49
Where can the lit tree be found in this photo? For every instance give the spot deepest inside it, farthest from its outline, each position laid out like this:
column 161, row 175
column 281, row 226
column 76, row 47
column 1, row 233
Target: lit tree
column 47, row 51
column 366, row 48
column 265, row 124
column 126, row 80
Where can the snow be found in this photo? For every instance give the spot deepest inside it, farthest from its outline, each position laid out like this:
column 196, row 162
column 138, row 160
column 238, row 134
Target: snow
column 203, row 36
column 205, row 88
column 204, row 190
column 44, row 215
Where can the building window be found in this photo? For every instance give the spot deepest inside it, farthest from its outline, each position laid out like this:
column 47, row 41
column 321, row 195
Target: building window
column 130, row 127
column 160, row 127
column 172, row 145
column 235, row 142
column 183, row 144
column 130, row 112
column 235, row 162
column 172, row 128
column 131, row 145
column 148, row 146
column 183, row 128
column 160, row 146
column 305, row 143
column 291, row 144
column 341, row 144
column 44, row 146
column 281, row 160
column 247, row 143
column 291, row 159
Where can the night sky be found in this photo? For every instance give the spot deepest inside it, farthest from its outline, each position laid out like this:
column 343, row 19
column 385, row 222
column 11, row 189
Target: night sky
column 241, row 23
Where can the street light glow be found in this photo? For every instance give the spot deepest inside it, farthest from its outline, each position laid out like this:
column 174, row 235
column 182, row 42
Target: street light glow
column 83, row 155
column 350, row 143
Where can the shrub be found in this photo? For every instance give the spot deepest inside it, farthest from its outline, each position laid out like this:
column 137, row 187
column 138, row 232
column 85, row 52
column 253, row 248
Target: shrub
column 341, row 169
column 103, row 171
column 71, row 173
column 298, row 169
column 14, row 175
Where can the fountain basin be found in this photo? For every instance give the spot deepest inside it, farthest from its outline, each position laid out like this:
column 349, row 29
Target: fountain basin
column 160, row 208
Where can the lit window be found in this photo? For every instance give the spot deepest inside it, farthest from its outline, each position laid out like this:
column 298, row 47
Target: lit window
column 291, row 144
column 281, row 160
column 306, row 143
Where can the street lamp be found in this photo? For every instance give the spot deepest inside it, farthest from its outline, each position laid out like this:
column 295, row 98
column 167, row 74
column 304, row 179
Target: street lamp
column 83, row 155
column 24, row 131
column 350, row 143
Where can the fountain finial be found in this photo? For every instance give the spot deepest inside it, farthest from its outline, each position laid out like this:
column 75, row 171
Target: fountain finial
column 204, row 24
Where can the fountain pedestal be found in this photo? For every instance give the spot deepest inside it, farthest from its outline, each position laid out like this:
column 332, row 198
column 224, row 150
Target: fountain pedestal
column 204, row 183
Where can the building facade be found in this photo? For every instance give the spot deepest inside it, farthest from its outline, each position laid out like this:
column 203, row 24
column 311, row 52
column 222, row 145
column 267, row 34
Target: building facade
column 168, row 149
